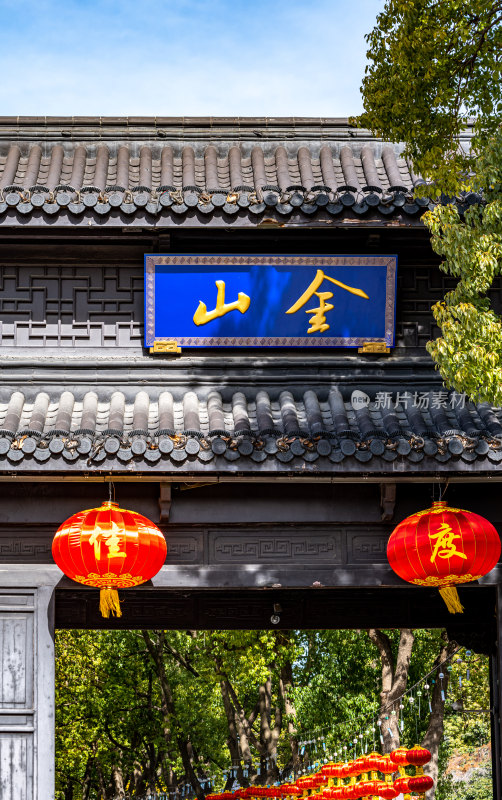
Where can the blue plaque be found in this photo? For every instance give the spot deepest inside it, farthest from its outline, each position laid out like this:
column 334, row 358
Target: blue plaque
column 269, row 301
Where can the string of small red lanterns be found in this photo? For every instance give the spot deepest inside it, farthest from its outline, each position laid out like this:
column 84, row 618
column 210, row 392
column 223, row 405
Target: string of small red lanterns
column 368, row 777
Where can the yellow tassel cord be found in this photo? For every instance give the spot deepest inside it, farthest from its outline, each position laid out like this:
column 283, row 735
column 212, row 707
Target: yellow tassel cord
column 452, row 600
column 109, row 603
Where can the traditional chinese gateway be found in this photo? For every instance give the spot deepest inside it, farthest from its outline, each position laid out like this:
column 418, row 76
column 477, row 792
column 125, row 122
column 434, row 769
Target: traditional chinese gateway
column 228, row 318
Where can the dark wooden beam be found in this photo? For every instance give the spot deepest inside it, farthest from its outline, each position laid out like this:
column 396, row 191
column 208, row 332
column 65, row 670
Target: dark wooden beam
column 309, row 608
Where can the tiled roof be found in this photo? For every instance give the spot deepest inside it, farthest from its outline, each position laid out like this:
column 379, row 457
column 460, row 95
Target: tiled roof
column 234, row 170
column 258, row 429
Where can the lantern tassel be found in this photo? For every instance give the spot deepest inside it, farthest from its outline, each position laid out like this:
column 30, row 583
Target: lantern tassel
column 452, row 600
column 109, row 603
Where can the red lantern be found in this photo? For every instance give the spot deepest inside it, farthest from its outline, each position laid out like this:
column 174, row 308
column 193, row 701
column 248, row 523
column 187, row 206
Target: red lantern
column 385, row 765
column 359, row 766
column 443, row 547
column 367, row 788
column 290, row 789
column 400, row 756
column 330, row 772
column 110, row 548
column 420, row 783
column 401, row 785
column 373, row 761
column 418, row 756
column 386, row 791
column 308, row 782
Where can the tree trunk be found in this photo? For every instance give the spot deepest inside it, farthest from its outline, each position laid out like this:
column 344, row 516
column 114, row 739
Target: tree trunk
column 138, row 781
column 86, row 780
column 435, row 729
column 286, row 689
column 101, row 781
column 241, row 735
column 156, row 651
column 117, row 781
column 394, row 680
column 230, row 713
column 269, row 736
column 68, row 790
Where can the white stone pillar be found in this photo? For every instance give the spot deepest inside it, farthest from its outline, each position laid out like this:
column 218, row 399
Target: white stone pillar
column 27, row 681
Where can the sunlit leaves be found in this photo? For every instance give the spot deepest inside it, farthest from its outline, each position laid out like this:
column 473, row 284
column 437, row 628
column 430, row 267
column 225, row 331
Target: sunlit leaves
column 469, row 351
column 432, row 67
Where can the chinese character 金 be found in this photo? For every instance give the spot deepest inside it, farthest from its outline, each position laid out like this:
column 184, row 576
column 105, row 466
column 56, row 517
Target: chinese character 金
column 318, row 322
column 202, row 316
column 110, row 539
column 444, row 546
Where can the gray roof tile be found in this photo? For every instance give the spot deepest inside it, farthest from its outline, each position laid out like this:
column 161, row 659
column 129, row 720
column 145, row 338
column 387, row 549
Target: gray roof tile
column 247, row 426
column 84, row 166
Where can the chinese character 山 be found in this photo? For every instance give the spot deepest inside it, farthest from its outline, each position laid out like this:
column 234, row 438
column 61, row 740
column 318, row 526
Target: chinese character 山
column 202, row 316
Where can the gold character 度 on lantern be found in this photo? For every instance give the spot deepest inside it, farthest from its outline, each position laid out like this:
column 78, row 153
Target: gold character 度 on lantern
column 444, row 546
column 202, row 316
column 318, row 322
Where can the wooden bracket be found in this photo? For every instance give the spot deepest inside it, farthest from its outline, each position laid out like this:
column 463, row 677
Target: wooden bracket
column 165, row 346
column 374, row 347
column 387, row 500
column 165, row 501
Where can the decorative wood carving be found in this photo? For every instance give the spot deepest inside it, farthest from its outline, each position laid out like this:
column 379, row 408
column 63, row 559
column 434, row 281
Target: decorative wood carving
column 165, row 501
column 387, row 500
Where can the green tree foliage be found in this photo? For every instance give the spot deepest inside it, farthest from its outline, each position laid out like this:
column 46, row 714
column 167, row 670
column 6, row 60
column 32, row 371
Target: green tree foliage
column 469, row 352
column 433, row 65
column 139, row 711
column 466, row 731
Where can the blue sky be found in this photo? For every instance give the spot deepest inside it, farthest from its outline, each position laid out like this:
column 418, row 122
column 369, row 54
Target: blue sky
column 183, row 57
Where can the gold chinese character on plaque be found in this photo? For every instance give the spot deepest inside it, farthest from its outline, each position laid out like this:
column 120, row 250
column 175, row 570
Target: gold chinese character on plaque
column 202, row 316
column 318, row 322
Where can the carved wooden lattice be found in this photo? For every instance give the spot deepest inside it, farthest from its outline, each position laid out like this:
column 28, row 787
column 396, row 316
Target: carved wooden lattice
column 102, row 306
